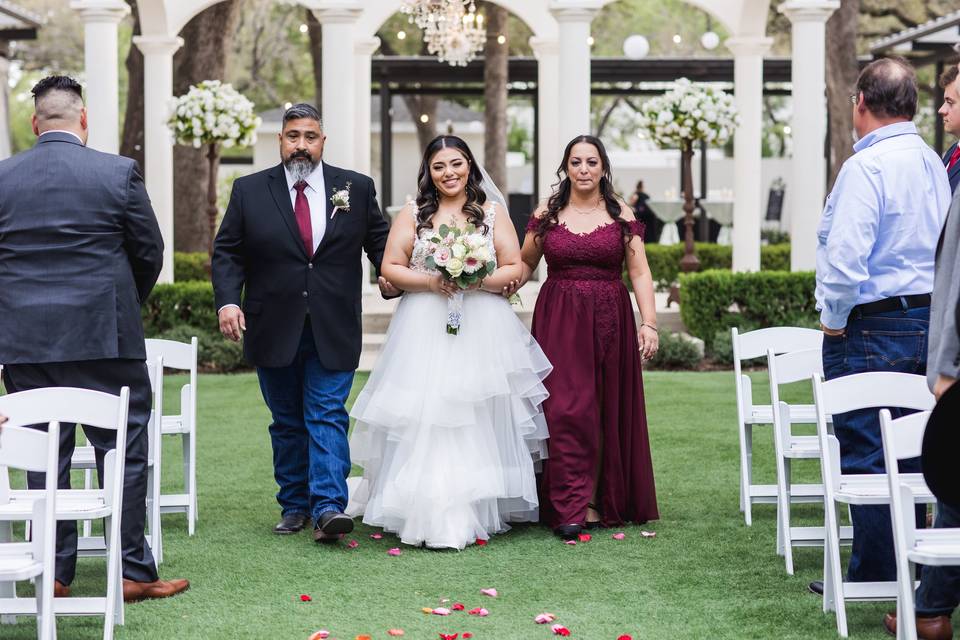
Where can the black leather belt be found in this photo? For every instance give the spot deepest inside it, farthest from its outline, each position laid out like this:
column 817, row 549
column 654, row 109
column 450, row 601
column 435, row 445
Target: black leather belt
column 893, row 304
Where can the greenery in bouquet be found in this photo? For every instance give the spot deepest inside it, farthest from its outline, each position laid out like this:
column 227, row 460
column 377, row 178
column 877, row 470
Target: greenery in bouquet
column 688, row 112
column 461, row 256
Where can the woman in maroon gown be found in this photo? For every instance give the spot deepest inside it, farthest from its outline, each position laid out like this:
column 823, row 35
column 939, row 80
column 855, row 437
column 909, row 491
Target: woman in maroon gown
column 599, row 470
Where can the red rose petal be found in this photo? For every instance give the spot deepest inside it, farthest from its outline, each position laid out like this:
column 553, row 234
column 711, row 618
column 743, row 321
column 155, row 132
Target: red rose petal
column 481, row 543
column 585, row 537
column 467, row 634
column 457, row 606
column 625, row 637
column 305, row 598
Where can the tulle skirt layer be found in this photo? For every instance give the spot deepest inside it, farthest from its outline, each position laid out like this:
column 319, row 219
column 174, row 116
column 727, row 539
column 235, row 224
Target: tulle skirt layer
column 449, row 427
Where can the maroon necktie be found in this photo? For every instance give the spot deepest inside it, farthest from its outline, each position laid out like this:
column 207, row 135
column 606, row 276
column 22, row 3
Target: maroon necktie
column 954, row 157
column 301, row 209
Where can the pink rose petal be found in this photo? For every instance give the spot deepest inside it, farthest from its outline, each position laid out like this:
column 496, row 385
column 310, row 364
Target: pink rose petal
column 353, row 544
column 619, row 535
column 479, row 611
column 322, row 634
column 570, row 542
column 376, row 536
column 394, row 552
column 648, row 534
column 544, row 618
column 441, row 611
column 489, row 592
column 394, row 632
column 560, row 630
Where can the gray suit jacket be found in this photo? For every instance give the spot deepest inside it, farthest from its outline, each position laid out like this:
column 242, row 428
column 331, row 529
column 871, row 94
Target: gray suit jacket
column 943, row 351
column 80, row 249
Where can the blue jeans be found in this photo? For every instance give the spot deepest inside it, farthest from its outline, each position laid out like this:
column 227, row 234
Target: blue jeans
column 311, row 455
column 889, row 341
column 939, row 590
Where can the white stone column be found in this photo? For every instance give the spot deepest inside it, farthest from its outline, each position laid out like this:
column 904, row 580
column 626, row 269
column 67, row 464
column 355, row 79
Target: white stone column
column 101, row 62
column 808, row 177
column 747, row 149
column 4, row 111
column 158, row 142
column 574, row 58
column 362, row 141
column 549, row 141
column 340, row 82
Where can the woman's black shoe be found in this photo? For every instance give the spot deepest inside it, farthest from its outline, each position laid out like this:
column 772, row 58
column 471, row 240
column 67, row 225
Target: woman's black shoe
column 568, row 531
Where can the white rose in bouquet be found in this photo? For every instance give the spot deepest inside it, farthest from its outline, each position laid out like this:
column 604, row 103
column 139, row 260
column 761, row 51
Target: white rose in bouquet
column 455, row 267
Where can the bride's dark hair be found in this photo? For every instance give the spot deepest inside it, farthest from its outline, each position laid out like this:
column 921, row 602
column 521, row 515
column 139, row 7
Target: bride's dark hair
column 560, row 197
column 428, row 198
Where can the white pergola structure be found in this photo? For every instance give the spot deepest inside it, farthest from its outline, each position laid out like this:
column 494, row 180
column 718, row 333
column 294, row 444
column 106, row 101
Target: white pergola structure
column 560, row 42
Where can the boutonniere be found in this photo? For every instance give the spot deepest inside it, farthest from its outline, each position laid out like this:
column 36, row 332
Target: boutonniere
column 340, row 200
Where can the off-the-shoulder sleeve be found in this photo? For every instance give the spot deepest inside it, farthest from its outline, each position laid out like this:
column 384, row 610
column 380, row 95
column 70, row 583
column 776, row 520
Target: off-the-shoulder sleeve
column 534, row 223
column 637, row 228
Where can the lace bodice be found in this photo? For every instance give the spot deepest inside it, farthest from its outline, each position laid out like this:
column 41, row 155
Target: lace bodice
column 595, row 255
column 422, row 244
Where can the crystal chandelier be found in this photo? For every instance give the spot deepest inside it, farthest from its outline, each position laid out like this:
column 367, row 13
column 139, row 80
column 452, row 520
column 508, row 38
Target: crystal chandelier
column 452, row 29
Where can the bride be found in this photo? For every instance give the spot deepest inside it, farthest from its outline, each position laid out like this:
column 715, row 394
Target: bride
column 449, row 427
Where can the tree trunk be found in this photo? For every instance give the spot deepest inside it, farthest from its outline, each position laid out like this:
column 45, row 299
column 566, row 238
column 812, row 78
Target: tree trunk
column 206, row 45
column 495, row 76
column 315, row 30
column 131, row 141
column 842, row 71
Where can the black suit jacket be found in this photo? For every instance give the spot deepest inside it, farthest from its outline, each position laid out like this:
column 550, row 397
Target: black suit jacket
column 954, row 173
column 258, row 251
column 80, row 249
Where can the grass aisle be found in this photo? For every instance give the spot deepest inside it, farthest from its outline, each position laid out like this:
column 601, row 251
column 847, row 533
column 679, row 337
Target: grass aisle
column 705, row 575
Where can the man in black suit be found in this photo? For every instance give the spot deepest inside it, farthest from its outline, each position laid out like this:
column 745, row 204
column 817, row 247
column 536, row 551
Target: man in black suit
column 950, row 112
column 81, row 250
column 291, row 242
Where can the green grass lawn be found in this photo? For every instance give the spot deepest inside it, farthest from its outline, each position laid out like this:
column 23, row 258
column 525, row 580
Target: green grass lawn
column 704, row 575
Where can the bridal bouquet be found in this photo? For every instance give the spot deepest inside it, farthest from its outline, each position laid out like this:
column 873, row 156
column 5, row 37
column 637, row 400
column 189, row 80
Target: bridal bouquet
column 463, row 257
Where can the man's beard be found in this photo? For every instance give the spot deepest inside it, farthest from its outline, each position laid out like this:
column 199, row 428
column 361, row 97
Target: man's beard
column 300, row 166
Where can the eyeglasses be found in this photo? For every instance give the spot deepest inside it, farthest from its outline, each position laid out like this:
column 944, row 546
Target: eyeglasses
column 854, row 98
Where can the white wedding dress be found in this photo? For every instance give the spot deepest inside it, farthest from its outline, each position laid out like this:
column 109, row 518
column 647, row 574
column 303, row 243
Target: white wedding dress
column 449, row 427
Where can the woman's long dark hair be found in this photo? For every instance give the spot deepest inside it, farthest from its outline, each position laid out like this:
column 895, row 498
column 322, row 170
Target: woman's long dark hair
column 428, row 199
column 560, row 197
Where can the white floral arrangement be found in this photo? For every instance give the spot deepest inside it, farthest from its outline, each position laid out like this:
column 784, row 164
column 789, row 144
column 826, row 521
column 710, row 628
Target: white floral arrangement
column 213, row 112
column 689, row 112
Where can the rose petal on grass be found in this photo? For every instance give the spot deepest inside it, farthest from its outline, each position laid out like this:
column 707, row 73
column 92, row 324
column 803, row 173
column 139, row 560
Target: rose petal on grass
column 489, row 592
column 394, row 552
column 479, row 611
column 427, row 609
column 467, row 634
column 305, row 598
column 395, row 632
column 376, row 536
column 585, row 537
column 544, row 618
column 648, row 534
column 620, row 535
column 353, row 544
column 560, row 630
column 322, row 634
column 457, row 606
column 480, row 542
column 570, row 542
column 363, row 636
column 441, row 611
column 625, row 637
column 449, row 636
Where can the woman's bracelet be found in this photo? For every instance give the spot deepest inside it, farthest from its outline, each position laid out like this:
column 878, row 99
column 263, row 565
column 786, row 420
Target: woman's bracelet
column 647, row 324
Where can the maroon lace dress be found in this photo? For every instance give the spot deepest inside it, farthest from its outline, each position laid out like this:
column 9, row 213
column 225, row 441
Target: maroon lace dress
column 584, row 323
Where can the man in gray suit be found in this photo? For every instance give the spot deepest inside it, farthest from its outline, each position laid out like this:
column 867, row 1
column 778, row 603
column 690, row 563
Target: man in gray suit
column 939, row 591
column 80, row 249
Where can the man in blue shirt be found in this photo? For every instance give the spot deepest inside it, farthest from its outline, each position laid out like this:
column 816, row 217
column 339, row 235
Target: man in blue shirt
column 875, row 255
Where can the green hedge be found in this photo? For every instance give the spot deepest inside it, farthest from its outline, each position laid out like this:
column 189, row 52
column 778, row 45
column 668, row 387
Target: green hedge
column 664, row 259
column 714, row 301
column 190, row 266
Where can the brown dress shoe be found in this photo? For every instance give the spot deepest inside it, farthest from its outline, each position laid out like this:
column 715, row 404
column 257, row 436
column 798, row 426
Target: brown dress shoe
column 934, row 628
column 60, row 590
column 136, row 591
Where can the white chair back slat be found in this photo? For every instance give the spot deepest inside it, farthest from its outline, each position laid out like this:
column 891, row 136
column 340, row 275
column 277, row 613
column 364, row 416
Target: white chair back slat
column 905, row 434
column 176, row 355
column 754, row 344
column 23, row 448
column 795, row 365
column 62, row 404
column 877, row 389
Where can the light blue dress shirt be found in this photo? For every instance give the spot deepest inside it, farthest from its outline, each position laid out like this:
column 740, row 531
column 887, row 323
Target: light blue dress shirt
column 880, row 225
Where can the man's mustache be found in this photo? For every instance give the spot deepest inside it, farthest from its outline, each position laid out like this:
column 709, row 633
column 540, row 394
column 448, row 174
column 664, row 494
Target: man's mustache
column 301, row 154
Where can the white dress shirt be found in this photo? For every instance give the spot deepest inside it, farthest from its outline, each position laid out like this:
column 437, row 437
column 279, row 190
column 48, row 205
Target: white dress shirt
column 316, row 197
column 79, row 139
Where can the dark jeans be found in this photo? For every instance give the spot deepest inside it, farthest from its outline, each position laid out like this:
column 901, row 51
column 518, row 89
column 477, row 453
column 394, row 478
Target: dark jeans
column 890, row 341
column 311, row 455
column 939, row 590
column 108, row 376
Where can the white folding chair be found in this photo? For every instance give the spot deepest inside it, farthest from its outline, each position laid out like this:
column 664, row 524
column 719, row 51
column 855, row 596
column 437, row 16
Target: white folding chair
column 902, row 439
column 96, row 409
column 784, row 369
column 840, row 395
column 181, row 356
column 31, row 450
column 84, row 457
column 747, row 346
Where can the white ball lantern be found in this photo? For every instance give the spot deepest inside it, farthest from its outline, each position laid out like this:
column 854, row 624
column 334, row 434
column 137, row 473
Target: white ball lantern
column 636, row 47
column 710, row 40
